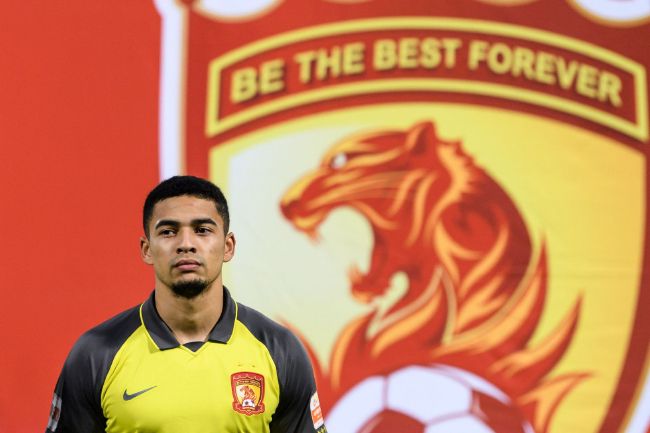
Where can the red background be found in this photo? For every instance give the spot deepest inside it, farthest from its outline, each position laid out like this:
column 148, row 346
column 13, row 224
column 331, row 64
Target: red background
column 78, row 115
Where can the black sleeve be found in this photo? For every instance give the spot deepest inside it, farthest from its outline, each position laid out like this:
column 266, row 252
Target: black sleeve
column 299, row 409
column 76, row 405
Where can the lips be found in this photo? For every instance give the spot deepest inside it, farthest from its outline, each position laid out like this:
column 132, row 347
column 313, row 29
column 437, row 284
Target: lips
column 187, row 264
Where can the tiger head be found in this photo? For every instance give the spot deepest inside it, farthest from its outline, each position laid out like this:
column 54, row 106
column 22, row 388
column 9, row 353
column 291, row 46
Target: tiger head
column 398, row 180
column 366, row 172
column 475, row 295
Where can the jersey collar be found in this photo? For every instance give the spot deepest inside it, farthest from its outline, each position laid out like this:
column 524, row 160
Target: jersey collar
column 163, row 336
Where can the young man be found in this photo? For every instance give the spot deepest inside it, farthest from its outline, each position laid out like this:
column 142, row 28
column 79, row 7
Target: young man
column 190, row 358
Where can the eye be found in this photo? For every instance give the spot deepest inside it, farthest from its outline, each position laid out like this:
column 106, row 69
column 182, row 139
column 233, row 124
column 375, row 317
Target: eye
column 339, row 161
column 166, row 232
column 203, row 230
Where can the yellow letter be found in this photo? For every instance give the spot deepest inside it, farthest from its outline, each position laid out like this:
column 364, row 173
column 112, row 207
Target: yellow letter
column 545, row 67
column 609, row 89
column 408, row 53
column 243, row 85
column 430, row 57
column 328, row 64
column 500, row 58
column 353, row 58
column 450, row 45
column 523, row 62
column 305, row 60
column 385, row 56
column 272, row 76
column 566, row 74
column 586, row 84
column 477, row 50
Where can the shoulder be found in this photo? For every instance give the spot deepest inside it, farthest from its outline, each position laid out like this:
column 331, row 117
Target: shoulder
column 258, row 323
column 272, row 334
column 111, row 332
column 97, row 346
column 287, row 351
column 78, row 390
column 294, row 370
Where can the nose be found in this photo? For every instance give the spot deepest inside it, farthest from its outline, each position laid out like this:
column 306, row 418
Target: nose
column 293, row 199
column 186, row 242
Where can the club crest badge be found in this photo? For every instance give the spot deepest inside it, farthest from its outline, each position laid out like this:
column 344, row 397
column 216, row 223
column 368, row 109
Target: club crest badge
column 247, row 392
column 398, row 159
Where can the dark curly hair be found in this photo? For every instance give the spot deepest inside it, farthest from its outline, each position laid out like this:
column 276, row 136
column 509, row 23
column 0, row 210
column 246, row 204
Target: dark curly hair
column 185, row 185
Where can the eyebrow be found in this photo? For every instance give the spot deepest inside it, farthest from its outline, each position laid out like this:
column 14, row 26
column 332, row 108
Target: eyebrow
column 202, row 221
column 194, row 222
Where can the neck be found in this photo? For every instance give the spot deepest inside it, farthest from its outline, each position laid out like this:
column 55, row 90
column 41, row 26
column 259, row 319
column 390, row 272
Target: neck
column 190, row 319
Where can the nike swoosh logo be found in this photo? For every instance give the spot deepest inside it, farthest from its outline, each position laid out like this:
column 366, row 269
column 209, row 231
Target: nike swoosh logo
column 126, row 396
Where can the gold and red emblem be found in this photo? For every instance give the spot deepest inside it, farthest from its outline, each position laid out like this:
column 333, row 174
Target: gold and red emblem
column 486, row 171
column 247, row 392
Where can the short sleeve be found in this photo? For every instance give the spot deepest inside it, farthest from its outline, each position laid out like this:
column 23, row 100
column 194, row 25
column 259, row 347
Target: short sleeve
column 76, row 406
column 299, row 409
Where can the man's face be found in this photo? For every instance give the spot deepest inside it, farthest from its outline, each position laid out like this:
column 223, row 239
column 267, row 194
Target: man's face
column 186, row 245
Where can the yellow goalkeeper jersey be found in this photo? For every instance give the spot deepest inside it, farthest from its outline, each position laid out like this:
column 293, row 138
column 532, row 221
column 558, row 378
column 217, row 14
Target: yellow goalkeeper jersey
column 130, row 374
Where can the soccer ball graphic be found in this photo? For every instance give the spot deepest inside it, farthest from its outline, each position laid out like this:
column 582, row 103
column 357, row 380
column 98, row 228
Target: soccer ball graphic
column 426, row 399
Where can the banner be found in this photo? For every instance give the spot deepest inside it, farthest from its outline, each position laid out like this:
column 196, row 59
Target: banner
column 447, row 201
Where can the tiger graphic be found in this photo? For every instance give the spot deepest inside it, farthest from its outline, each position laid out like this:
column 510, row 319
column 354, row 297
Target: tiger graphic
column 430, row 208
column 476, row 281
column 248, row 396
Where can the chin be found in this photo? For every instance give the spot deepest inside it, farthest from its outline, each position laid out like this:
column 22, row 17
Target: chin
column 189, row 288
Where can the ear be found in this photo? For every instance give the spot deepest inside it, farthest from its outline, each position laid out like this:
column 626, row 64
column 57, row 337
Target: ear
column 229, row 247
column 420, row 137
column 145, row 250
